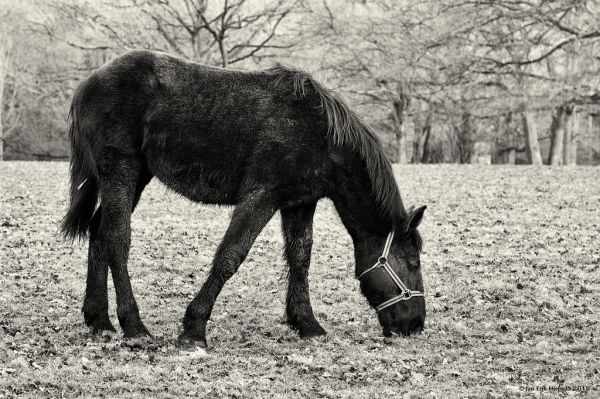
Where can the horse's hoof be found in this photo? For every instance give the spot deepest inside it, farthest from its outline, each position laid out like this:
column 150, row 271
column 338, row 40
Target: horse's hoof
column 137, row 332
column 190, row 343
column 98, row 324
column 106, row 335
column 103, row 330
column 312, row 332
column 190, row 348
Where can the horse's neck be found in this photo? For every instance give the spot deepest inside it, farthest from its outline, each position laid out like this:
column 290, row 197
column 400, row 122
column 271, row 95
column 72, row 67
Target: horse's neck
column 360, row 215
column 356, row 205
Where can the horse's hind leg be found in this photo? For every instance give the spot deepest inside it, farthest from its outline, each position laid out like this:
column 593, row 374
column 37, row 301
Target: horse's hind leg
column 95, row 304
column 119, row 180
column 297, row 231
column 249, row 218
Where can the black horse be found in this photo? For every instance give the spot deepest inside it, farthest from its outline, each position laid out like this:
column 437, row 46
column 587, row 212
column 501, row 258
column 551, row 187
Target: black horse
column 262, row 141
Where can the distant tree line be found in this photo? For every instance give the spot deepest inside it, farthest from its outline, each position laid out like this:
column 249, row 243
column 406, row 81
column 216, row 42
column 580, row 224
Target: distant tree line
column 440, row 80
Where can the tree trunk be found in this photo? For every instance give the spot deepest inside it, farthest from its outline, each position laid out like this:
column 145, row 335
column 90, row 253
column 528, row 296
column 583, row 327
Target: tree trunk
column 532, row 144
column 1, row 135
column 1, row 126
column 426, row 144
column 399, row 106
column 570, row 139
column 505, row 151
column 557, row 132
column 573, row 153
column 464, row 142
column 3, row 73
column 575, row 136
column 511, row 156
column 425, row 134
column 223, row 52
column 422, row 127
column 417, row 135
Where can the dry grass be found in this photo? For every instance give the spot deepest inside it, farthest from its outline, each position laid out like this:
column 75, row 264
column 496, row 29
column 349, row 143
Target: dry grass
column 512, row 279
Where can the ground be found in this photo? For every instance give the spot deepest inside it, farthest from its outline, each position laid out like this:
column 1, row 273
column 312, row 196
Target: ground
column 511, row 267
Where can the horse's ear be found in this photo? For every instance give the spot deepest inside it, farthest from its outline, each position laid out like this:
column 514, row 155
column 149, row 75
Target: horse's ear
column 415, row 218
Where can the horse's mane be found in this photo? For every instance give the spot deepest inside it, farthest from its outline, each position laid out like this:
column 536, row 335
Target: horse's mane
column 346, row 128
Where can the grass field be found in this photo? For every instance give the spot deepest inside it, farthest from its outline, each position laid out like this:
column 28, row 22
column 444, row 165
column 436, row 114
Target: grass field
column 511, row 266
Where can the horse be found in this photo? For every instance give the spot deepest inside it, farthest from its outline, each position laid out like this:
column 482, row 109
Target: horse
column 261, row 141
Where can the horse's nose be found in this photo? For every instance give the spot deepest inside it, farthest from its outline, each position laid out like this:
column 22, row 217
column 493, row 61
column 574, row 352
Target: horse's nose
column 410, row 326
column 417, row 325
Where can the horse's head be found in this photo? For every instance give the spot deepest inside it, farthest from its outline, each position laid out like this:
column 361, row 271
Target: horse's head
column 390, row 276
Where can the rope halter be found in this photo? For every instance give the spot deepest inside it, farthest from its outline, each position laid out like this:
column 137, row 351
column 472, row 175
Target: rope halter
column 405, row 293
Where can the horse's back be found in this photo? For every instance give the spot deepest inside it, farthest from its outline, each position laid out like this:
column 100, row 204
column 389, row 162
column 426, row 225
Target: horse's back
column 211, row 134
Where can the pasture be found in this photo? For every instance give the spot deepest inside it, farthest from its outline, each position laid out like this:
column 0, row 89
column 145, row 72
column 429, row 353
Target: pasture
column 511, row 266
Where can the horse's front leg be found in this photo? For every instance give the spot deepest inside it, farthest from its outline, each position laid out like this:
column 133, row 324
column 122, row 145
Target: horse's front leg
column 249, row 218
column 297, row 230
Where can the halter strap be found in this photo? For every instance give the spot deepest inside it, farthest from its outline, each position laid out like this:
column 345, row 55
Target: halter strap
column 388, row 245
column 406, row 293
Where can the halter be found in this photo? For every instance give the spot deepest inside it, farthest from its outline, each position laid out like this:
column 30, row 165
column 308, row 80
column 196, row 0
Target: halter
column 405, row 294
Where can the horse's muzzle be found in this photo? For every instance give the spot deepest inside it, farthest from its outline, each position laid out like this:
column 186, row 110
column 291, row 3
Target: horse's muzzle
column 405, row 327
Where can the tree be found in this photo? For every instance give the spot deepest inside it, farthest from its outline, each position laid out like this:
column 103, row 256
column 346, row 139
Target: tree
column 9, row 111
column 570, row 139
column 422, row 119
column 557, row 132
column 216, row 33
column 5, row 46
column 432, row 77
column 534, row 156
column 400, row 105
column 62, row 42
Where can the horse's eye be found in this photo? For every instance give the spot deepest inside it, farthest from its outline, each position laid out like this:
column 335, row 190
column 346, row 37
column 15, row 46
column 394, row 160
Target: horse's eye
column 415, row 263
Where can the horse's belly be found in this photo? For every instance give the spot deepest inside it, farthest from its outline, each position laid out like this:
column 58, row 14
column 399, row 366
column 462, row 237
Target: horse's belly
column 196, row 186
column 202, row 173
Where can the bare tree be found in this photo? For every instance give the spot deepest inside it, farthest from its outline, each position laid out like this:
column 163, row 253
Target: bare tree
column 557, row 132
column 570, row 138
column 400, row 106
column 9, row 114
column 229, row 32
column 221, row 33
column 447, row 68
column 4, row 63
column 422, row 118
column 534, row 155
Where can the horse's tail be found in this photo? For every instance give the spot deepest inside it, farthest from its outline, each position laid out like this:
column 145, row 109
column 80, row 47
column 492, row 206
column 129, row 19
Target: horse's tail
column 84, row 185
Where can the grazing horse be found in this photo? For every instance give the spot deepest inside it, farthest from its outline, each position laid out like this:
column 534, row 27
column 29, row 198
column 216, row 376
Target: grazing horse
column 264, row 141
